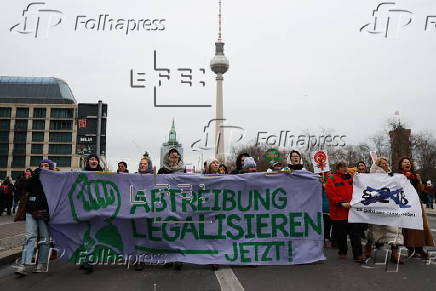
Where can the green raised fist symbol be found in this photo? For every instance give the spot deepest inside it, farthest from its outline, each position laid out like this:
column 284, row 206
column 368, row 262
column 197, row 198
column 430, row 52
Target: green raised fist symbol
column 87, row 196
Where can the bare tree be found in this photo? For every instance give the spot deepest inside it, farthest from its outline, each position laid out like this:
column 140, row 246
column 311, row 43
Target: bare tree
column 424, row 152
column 381, row 144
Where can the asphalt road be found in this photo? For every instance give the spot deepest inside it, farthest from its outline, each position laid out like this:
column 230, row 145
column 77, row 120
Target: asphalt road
column 332, row 274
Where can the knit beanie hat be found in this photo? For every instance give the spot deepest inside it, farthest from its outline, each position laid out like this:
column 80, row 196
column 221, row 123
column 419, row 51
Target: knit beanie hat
column 249, row 163
column 47, row 161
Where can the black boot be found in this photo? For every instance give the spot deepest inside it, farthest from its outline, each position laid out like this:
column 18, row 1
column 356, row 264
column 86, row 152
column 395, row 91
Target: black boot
column 87, row 267
column 178, row 266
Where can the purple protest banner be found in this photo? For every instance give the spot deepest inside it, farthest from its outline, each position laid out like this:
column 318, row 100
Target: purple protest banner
column 253, row 219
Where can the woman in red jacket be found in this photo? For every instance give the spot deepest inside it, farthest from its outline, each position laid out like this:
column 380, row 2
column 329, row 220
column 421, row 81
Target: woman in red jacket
column 339, row 188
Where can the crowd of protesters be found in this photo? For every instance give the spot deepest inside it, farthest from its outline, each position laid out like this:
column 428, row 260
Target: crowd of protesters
column 337, row 189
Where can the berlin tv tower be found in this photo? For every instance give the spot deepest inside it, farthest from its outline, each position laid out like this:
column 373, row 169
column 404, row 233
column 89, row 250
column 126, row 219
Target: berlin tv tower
column 219, row 65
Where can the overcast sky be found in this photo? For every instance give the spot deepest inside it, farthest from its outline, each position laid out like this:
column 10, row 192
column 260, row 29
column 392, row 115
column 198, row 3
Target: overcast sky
column 294, row 65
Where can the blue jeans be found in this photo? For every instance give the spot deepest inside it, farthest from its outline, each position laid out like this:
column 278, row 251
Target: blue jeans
column 429, row 201
column 35, row 228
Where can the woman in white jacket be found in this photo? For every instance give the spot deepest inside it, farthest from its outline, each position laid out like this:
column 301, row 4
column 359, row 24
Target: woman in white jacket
column 382, row 234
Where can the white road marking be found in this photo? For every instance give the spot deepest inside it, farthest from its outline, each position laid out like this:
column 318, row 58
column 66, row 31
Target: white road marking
column 227, row 279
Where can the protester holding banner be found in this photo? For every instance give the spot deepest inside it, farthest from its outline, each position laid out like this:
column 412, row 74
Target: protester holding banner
column 122, row 168
column 415, row 239
column 328, row 239
column 275, row 166
column 249, row 166
column 239, row 163
column 381, row 234
column 37, row 216
column 172, row 163
column 361, row 167
column 295, row 161
column 92, row 163
column 143, row 167
column 339, row 188
column 212, row 166
column 223, row 169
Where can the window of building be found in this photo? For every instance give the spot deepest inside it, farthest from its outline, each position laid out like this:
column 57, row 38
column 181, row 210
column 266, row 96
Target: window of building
column 37, row 148
column 34, row 161
column 15, row 175
column 4, row 136
column 4, row 148
column 38, row 125
column 20, row 137
column 2, row 175
column 5, row 124
column 61, row 113
column 19, row 148
column 37, row 137
column 59, row 149
column 61, row 137
column 18, row 161
column 22, row 113
column 39, row 112
column 61, row 161
column 5, row 111
column 3, row 161
column 21, row 124
column 61, row 124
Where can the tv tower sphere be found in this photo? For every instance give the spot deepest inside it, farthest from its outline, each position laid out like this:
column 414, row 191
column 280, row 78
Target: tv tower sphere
column 219, row 64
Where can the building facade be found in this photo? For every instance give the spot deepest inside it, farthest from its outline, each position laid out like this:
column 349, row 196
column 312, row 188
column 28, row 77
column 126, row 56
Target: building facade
column 400, row 145
column 172, row 143
column 38, row 119
column 91, row 131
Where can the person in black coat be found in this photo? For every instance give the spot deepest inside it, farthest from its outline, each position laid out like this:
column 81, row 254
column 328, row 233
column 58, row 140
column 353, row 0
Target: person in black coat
column 20, row 188
column 6, row 196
